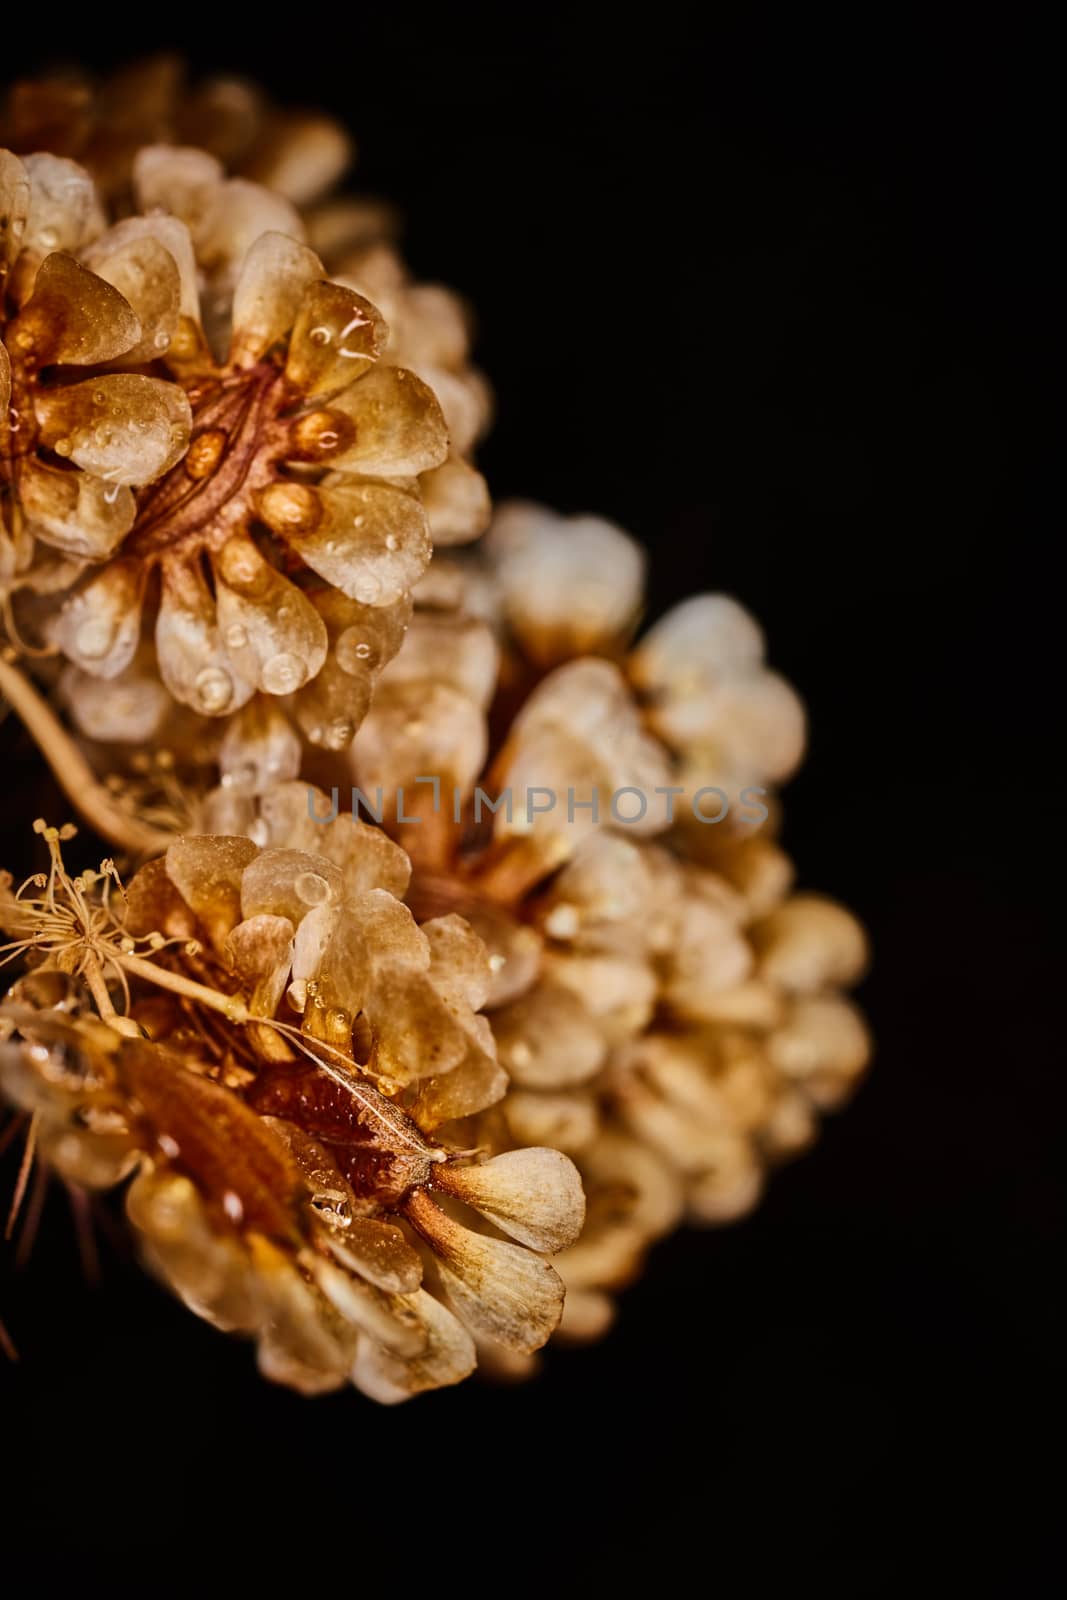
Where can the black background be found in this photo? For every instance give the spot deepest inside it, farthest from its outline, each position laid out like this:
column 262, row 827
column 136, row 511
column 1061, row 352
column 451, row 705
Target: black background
column 777, row 297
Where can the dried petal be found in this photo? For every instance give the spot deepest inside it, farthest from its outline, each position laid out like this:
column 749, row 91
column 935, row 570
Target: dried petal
column 146, row 275
column 207, row 872
column 548, row 1040
column 336, row 338
column 129, row 709
column 810, row 943
column 448, row 1357
column 180, row 180
column 270, row 630
column 174, row 237
column 566, row 1122
column 275, row 274
column 379, row 1252
column 75, row 511
column 14, row 208
column 302, row 156
column 393, row 423
column 707, row 636
column 193, row 664
column 123, row 427
column 501, row 1291
column 73, row 316
column 456, row 498
column 289, row 883
column 100, row 625
column 62, row 209
column 260, row 951
column 368, row 539
column 535, row 1195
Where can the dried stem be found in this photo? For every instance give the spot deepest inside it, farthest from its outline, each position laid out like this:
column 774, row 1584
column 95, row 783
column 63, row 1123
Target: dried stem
column 73, row 773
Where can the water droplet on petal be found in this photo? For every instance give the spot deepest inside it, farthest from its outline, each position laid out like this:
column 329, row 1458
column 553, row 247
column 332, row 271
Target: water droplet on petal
column 63, row 447
column 312, row 888
column 283, row 673
column 161, row 340
column 320, row 335
column 214, row 690
column 95, row 637
column 367, row 588
column 392, row 542
column 339, row 735
column 49, row 238
column 236, row 637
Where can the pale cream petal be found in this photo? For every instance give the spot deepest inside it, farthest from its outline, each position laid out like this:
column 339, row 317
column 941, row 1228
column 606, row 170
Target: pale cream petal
column 367, row 857
column 456, row 498
column 390, row 425
column 276, row 271
column 270, row 630
column 146, row 275
column 707, row 636
column 534, row 1195
column 501, row 1291
column 99, row 627
column 368, row 539
column 62, row 207
column 461, row 651
column 72, row 316
column 193, row 664
column 260, row 748
column 169, row 232
column 823, row 1045
column 449, row 1357
column 415, row 729
column 754, row 725
column 337, row 337
column 728, row 1189
column 14, row 208
column 810, row 943
column 125, row 428
column 129, row 709
column 587, row 1316
column 465, row 400
column 388, row 1319
column 362, row 638
column 459, row 961
column 76, row 511
column 477, row 1082
column 180, row 180
column 565, row 1121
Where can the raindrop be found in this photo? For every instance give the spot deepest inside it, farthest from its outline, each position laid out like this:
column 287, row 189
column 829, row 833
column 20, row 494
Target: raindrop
column 236, row 636
column 312, row 888
column 161, row 340
column 358, row 521
column 352, row 651
column 283, row 673
column 320, row 335
column 95, row 638
column 63, row 447
column 49, row 238
column 367, row 588
column 392, row 542
column 214, row 690
column 339, row 734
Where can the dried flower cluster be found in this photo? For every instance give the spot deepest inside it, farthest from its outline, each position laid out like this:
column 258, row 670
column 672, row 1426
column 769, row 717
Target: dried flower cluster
column 355, row 1072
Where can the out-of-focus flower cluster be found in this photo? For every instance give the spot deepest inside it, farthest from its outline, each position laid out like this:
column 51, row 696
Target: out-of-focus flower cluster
column 356, row 1073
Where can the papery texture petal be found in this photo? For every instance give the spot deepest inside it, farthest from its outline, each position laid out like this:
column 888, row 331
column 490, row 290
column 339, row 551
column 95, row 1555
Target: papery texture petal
column 534, row 1195
column 123, row 427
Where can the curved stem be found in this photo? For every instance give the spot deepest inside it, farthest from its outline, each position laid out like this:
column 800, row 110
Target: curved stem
column 73, row 773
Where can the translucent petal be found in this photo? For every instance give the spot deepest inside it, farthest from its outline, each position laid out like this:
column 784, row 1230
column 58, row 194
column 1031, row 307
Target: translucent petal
column 362, row 638
column 195, row 667
column 459, row 960
column 415, row 729
column 14, row 208
column 349, row 223
column 368, row 539
column 464, row 398
column 99, row 627
column 824, row 1045
column 180, row 180
column 173, row 235
column 336, row 338
column 368, row 857
column 62, row 207
column 129, row 709
column 270, row 630
column 259, row 950
column 123, row 427
column 145, row 273
column 587, row 1315
column 75, row 511
column 707, row 636
column 709, row 954
column 276, row 272
column 302, row 156
column 477, row 1082
column 500, row 1290
column 73, row 316
column 753, row 725
column 514, row 951
column 456, row 498
column 260, row 748
column 223, row 115
column 289, row 883
column 206, row 870
column 391, row 423
column 810, row 943
column 386, row 1318
column 535, row 1195
column 433, row 327
column 448, row 1357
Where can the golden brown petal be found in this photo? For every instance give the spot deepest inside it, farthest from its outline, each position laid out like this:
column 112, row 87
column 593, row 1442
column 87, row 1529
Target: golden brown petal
column 368, row 539
column 207, row 870
column 260, row 951
column 123, row 427
column 809, row 943
column 145, row 273
column 456, row 498
column 14, row 208
column 448, row 1357
column 397, row 426
column 73, row 316
column 379, row 1252
column 337, row 337
column 63, row 210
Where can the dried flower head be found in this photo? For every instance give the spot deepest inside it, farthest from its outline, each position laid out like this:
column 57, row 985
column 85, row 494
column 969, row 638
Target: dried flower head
column 284, row 1048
